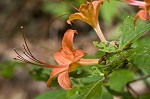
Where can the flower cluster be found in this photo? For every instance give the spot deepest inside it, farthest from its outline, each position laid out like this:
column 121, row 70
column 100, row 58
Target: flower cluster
column 68, row 58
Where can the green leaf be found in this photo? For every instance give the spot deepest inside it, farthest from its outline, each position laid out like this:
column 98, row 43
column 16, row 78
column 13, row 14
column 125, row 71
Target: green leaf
column 55, row 94
column 119, row 79
column 127, row 26
column 90, row 91
column 94, row 92
column 141, row 57
column 87, row 80
column 105, row 48
column 145, row 96
column 106, row 94
column 130, row 35
column 116, row 61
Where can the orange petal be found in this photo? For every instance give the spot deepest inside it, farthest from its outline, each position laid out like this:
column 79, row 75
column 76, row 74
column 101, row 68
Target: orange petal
column 88, row 11
column 96, row 5
column 62, row 58
column 55, row 72
column 66, row 55
column 147, row 1
column 64, row 81
column 68, row 52
column 141, row 14
column 67, row 42
column 78, row 16
column 78, row 55
column 73, row 66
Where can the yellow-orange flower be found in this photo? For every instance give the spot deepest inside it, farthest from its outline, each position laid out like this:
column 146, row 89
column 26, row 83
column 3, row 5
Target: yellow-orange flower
column 88, row 13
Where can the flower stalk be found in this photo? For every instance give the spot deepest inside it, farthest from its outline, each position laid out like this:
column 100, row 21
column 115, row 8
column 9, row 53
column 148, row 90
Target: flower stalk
column 87, row 62
column 100, row 34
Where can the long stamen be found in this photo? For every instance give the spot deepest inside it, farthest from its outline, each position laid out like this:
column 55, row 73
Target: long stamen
column 22, row 59
column 30, row 56
column 26, row 61
column 19, row 56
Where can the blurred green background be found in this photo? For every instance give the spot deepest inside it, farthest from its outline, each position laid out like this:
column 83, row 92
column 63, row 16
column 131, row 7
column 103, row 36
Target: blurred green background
column 44, row 28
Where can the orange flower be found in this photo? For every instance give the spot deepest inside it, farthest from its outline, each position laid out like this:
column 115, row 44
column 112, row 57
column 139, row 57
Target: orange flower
column 68, row 59
column 89, row 13
column 144, row 13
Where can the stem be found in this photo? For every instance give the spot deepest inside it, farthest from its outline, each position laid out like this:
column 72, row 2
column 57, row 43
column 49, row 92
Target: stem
column 132, row 91
column 86, row 62
column 142, row 78
column 100, row 34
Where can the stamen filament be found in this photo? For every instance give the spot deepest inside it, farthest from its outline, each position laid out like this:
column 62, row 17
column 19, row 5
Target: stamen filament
column 30, row 56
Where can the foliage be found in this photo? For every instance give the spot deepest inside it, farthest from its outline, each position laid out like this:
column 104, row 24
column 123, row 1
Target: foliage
column 114, row 64
column 7, row 68
column 39, row 73
column 130, row 35
column 110, row 10
column 56, row 94
column 119, row 79
column 119, row 62
column 141, row 57
column 90, row 91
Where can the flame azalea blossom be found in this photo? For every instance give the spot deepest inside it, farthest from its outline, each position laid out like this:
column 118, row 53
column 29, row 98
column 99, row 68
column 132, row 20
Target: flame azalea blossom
column 144, row 13
column 67, row 58
column 89, row 13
